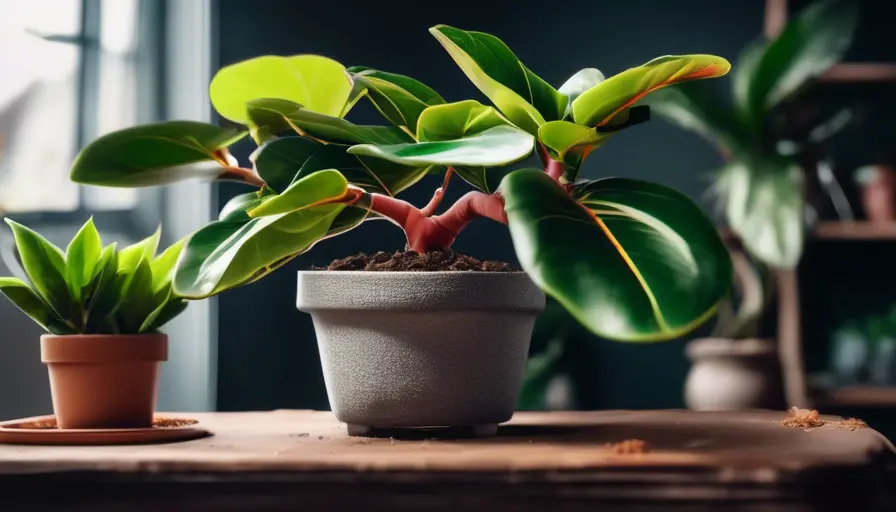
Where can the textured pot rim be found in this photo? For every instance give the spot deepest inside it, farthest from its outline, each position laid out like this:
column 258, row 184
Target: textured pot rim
column 92, row 348
column 417, row 290
column 717, row 347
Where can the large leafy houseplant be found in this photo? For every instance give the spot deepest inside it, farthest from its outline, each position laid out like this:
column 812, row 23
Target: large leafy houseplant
column 772, row 149
column 630, row 260
column 102, row 308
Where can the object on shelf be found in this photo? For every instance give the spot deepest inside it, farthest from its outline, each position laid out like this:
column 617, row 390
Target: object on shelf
column 43, row 430
column 878, row 184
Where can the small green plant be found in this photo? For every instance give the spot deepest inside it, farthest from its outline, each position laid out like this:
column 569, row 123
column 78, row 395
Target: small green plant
column 772, row 150
column 630, row 260
column 91, row 289
column 768, row 149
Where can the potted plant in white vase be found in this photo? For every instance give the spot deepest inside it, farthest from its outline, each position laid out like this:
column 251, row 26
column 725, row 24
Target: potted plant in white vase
column 426, row 337
column 772, row 158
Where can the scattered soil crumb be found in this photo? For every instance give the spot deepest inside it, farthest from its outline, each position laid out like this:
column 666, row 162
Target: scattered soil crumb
column 300, row 434
column 802, row 418
column 410, row 261
column 631, row 447
column 362, row 441
column 321, row 438
column 852, row 424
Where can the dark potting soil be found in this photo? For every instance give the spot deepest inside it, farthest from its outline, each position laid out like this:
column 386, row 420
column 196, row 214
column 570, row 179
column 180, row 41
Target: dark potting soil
column 410, row 261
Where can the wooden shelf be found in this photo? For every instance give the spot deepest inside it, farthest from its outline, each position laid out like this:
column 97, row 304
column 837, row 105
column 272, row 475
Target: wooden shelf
column 855, row 231
column 857, row 396
column 861, row 72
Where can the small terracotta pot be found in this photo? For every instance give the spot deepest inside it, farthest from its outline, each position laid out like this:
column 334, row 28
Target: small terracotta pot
column 104, row 381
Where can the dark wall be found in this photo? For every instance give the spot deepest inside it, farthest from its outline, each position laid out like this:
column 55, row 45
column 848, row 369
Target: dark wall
column 267, row 351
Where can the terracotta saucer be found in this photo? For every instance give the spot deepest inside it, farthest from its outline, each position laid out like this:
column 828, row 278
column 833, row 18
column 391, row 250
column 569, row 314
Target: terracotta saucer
column 42, row 430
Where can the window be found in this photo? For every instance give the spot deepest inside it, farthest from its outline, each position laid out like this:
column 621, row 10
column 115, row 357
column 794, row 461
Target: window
column 79, row 69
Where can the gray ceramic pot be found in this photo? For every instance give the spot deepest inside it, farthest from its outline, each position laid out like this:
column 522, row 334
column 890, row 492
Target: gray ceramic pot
column 421, row 349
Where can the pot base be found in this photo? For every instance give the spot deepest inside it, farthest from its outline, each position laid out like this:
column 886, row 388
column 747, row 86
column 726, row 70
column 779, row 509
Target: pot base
column 478, row 431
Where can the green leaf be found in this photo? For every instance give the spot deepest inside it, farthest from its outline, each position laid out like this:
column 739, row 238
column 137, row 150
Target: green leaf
column 570, row 143
column 156, row 154
column 130, row 257
column 230, row 253
column 742, row 77
column 578, row 83
column 283, row 161
column 598, row 105
column 237, row 206
column 24, row 298
column 138, row 299
column 166, row 312
column 465, row 133
column 108, row 287
column 45, row 265
column 318, row 188
column 697, row 107
column 317, row 83
column 399, row 98
column 163, row 266
column 527, row 100
column 811, row 43
column 496, row 146
column 81, row 258
column 630, row 260
column 276, row 115
column 764, row 205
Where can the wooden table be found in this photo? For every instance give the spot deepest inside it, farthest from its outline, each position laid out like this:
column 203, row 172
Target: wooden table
column 302, row 460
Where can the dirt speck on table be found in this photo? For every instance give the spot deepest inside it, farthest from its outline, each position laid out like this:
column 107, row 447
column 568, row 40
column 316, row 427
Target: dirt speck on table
column 802, row 418
column 631, row 447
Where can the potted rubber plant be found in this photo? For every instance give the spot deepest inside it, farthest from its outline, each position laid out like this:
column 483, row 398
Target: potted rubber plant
column 772, row 145
column 102, row 308
column 630, row 260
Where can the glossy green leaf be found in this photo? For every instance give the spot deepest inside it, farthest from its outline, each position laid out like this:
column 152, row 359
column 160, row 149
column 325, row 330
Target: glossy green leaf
column 598, row 105
column 81, row 257
column 163, row 266
column 317, row 83
column 763, row 204
column 465, row 133
column 527, row 100
column 27, row 300
column 166, row 312
column 45, row 265
column 277, row 115
column 130, row 257
column 138, row 298
column 578, row 83
column 500, row 145
column 320, row 187
column 810, row 43
column 108, row 288
column 238, row 205
column 630, row 260
column 156, row 154
column 399, row 98
column 285, row 160
column 230, row 253
column 570, row 143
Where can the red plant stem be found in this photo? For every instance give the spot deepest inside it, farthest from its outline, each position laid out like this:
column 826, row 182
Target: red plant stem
column 555, row 170
column 247, row 176
column 429, row 233
column 436, row 200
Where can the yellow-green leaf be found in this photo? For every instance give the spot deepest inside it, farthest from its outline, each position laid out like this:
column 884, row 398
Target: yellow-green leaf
column 317, row 83
column 598, row 105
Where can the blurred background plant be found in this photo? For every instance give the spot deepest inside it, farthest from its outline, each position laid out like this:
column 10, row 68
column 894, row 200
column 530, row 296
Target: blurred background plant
column 770, row 188
column 864, row 350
